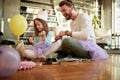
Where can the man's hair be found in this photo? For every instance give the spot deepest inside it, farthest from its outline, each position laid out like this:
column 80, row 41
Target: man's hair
column 66, row 2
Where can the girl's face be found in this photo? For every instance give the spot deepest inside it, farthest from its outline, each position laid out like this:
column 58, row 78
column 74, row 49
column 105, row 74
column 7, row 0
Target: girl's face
column 39, row 25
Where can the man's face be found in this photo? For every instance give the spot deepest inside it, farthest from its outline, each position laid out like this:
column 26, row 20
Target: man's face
column 66, row 11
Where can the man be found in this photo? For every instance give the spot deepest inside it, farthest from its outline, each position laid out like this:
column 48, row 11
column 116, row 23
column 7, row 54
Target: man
column 82, row 38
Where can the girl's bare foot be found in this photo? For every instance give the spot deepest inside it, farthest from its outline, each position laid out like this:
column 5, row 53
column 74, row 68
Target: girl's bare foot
column 42, row 58
column 20, row 48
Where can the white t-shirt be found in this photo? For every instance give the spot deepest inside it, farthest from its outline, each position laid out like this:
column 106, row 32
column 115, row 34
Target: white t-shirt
column 82, row 27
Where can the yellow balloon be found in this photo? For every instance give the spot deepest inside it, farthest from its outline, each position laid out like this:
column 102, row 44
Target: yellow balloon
column 18, row 24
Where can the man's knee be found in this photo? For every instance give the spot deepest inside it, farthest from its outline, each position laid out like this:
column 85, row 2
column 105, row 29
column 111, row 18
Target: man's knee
column 66, row 44
column 67, row 41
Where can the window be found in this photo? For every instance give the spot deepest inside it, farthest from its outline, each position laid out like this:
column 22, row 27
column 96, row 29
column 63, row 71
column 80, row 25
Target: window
column 116, row 23
column 117, row 16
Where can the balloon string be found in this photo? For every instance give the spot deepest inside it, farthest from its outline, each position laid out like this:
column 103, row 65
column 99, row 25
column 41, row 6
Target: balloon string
column 18, row 39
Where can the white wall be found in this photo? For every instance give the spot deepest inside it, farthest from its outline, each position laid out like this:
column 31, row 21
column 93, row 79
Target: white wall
column 10, row 8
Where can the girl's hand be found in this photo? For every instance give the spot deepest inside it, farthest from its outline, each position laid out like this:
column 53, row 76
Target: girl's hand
column 31, row 40
column 43, row 35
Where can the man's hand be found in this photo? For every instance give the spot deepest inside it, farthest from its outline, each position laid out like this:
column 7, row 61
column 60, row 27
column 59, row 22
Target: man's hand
column 62, row 33
column 59, row 36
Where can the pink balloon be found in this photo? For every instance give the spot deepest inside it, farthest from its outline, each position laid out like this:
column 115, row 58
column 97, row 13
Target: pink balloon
column 9, row 61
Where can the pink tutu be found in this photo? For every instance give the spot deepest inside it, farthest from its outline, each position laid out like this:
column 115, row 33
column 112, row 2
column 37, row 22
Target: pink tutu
column 95, row 50
column 25, row 65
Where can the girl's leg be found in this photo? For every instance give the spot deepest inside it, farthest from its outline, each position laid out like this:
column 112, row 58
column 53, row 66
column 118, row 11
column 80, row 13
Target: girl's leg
column 20, row 48
column 73, row 47
column 53, row 48
column 29, row 54
column 24, row 50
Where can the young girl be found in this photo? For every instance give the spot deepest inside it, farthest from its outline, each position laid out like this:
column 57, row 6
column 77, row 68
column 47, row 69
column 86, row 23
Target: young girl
column 41, row 42
column 41, row 31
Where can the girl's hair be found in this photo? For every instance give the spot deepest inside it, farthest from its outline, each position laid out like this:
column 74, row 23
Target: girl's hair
column 66, row 2
column 44, row 23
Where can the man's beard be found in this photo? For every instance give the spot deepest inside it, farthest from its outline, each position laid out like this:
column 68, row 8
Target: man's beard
column 68, row 16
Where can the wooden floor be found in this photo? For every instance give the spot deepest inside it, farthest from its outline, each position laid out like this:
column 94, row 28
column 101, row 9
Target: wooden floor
column 90, row 70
